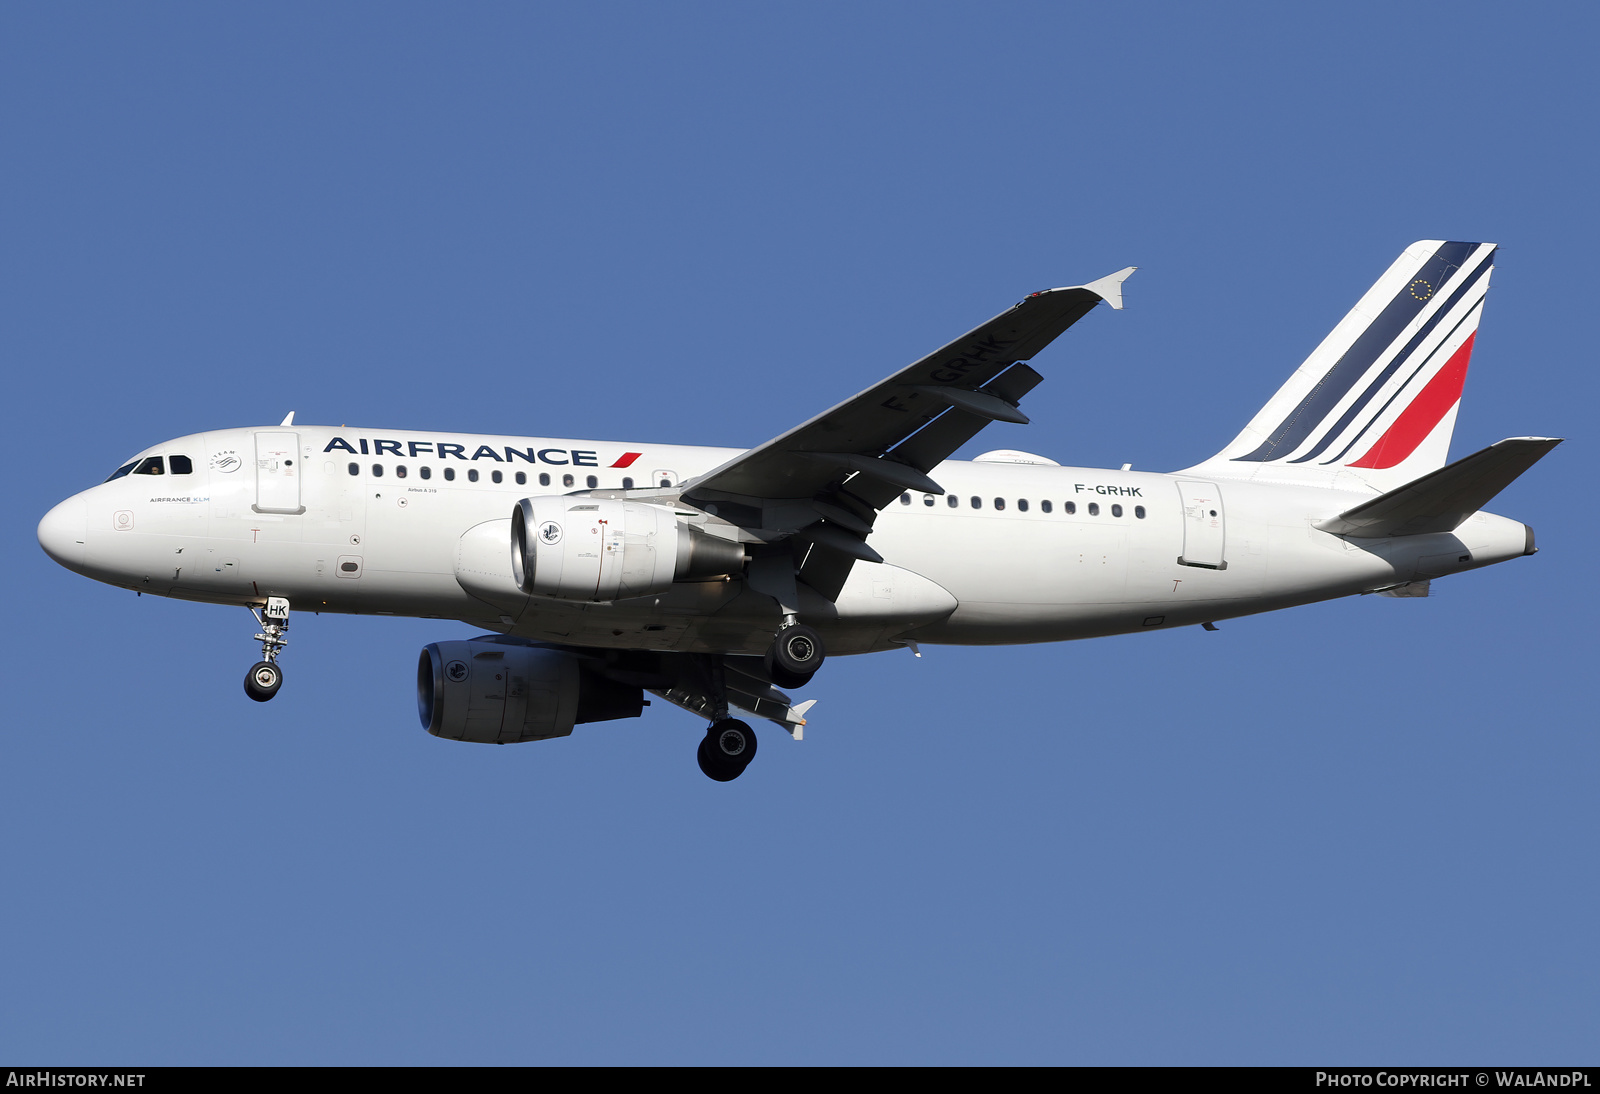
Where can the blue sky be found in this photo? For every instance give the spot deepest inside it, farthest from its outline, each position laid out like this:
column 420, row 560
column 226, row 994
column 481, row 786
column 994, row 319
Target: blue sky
column 1359, row 832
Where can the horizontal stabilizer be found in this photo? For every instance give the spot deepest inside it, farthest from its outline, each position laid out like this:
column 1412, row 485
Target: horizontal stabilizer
column 1441, row 500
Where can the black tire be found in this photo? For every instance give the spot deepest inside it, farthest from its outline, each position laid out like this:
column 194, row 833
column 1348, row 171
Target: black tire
column 715, row 767
column 798, row 651
column 781, row 678
column 263, row 681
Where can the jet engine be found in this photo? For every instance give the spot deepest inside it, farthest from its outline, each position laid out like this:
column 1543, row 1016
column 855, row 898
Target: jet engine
column 597, row 549
column 495, row 690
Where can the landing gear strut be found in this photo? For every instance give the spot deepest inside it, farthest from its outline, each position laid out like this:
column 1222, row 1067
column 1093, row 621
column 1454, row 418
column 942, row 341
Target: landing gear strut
column 265, row 677
column 795, row 655
column 726, row 750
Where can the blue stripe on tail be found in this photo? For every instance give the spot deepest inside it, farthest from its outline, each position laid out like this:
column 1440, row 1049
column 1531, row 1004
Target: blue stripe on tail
column 1368, row 346
column 1394, row 365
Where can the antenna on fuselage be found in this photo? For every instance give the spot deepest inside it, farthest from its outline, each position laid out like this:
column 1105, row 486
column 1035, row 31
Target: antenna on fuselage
column 288, row 419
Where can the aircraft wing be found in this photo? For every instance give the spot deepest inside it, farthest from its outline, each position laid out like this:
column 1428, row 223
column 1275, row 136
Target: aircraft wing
column 745, row 688
column 823, row 482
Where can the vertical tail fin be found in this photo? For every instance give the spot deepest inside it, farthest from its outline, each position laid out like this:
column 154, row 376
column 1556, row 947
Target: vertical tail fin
column 1374, row 405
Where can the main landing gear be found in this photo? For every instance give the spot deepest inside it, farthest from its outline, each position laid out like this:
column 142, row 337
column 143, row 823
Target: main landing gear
column 795, row 655
column 265, row 677
column 727, row 749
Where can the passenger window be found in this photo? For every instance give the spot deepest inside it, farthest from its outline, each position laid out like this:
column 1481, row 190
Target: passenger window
column 905, row 499
column 1116, row 510
column 544, row 479
column 472, row 474
column 181, row 465
column 1045, row 506
column 627, row 483
column 355, row 469
column 377, row 470
column 121, row 471
column 927, row 499
column 1022, row 505
column 953, row 501
column 425, row 472
column 151, row 465
column 593, row 481
column 999, row 503
column 449, row 474
column 566, row 480
column 1069, row 507
column 977, row 502
column 522, row 478
column 400, row 471
column 1094, row 509
column 1138, row 511
column 496, row 476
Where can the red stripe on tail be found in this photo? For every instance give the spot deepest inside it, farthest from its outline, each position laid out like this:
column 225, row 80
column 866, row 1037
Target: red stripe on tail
column 1416, row 421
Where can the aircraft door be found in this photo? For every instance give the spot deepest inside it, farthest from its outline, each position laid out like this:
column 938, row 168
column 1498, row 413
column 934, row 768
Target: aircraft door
column 1203, row 525
column 278, row 473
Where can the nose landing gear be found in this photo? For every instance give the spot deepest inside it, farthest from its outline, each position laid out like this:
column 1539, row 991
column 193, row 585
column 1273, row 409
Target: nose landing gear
column 726, row 750
column 265, row 677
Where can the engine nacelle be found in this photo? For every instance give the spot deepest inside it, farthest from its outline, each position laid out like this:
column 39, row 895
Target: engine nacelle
column 599, row 549
column 497, row 691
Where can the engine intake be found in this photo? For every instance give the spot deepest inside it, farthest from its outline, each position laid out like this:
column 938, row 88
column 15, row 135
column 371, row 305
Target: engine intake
column 497, row 691
column 600, row 549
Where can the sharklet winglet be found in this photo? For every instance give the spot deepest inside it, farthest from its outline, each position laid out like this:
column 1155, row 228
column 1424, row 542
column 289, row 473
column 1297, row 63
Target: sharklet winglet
column 1109, row 287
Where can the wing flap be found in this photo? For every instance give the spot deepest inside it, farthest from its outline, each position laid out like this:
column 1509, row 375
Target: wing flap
column 745, row 691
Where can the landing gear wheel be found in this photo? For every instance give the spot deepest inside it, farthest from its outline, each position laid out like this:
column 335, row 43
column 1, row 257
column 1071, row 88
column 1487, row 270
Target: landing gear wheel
column 726, row 750
column 783, row 679
column 733, row 740
column 715, row 768
column 265, row 677
column 263, row 681
column 796, row 654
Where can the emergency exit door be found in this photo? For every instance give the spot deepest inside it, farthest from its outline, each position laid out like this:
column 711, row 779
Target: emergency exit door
column 278, row 473
column 1204, row 529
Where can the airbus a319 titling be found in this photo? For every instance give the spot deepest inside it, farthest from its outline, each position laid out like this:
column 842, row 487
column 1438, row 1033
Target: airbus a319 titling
column 714, row 578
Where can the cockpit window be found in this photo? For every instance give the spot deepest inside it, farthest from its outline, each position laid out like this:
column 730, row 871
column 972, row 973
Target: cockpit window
column 151, row 465
column 181, row 465
column 121, row 471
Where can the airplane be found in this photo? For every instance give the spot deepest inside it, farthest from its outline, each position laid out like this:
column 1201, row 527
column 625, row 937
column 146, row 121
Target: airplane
column 715, row 578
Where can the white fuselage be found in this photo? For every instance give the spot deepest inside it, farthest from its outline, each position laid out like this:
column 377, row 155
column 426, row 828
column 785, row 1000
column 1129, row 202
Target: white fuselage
column 1027, row 552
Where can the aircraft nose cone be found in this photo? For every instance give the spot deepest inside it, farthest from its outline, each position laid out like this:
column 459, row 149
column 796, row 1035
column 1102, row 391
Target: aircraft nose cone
column 63, row 531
